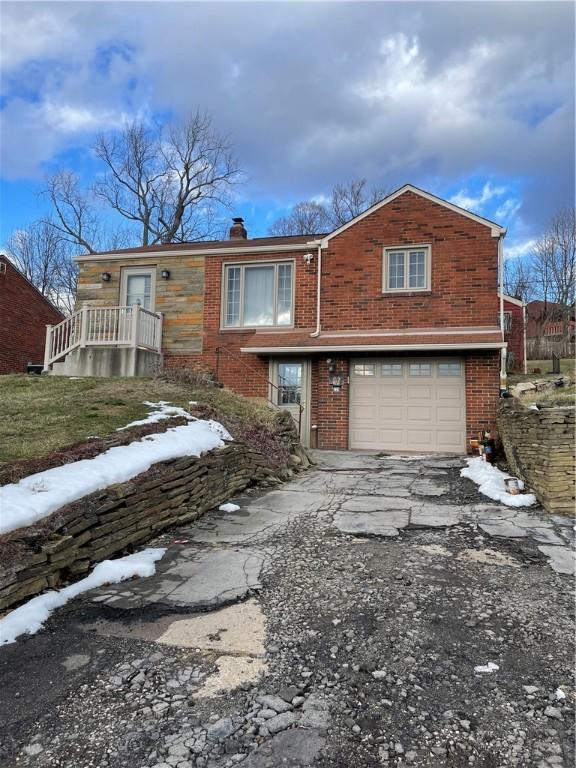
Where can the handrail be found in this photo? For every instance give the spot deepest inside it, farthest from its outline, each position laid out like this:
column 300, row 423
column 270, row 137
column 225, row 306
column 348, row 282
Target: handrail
column 118, row 326
column 262, row 376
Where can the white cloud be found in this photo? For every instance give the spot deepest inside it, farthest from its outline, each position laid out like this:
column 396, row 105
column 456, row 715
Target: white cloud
column 477, row 202
column 311, row 94
column 508, row 209
column 518, row 249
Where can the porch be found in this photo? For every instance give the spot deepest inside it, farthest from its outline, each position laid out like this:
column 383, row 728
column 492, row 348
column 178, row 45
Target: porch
column 105, row 341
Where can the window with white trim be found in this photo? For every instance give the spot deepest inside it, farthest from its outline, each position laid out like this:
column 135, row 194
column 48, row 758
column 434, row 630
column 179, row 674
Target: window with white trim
column 258, row 295
column 391, row 369
column 407, row 269
column 507, row 321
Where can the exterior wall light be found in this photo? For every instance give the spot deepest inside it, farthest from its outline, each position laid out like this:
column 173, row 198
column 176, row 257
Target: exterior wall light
column 105, row 277
column 165, row 274
column 336, row 380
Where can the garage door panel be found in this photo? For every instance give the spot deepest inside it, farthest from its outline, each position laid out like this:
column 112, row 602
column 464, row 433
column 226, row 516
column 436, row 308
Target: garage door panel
column 420, row 439
column 393, row 439
column 409, row 413
column 445, row 415
column 419, row 392
column 368, row 412
column 420, row 413
column 391, row 413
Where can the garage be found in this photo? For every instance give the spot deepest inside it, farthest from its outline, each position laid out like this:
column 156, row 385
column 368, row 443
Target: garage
column 408, row 404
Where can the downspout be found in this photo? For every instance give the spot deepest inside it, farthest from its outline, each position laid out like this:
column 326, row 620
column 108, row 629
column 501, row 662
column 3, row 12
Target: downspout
column 524, row 331
column 503, row 352
column 319, row 260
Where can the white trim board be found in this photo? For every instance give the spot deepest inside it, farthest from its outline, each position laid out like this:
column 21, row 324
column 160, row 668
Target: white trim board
column 497, row 230
column 374, row 348
column 245, row 249
column 512, row 300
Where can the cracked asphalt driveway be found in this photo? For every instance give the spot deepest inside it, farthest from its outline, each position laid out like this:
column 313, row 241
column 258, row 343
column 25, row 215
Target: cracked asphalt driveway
column 375, row 611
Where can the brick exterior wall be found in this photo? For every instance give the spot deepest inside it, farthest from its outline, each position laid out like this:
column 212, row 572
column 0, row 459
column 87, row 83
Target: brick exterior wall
column 24, row 315
column 464, row 286
column 515, row 336
column 482, row 392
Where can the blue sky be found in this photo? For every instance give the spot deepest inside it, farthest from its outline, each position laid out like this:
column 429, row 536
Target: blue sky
column 472, row 101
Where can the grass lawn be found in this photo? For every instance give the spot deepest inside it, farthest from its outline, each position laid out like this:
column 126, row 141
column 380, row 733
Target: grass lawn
column 41, row 414
column 567, row 366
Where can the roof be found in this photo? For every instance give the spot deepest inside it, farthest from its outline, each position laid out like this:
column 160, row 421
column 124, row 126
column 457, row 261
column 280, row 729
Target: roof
column 20, row 274
column 288, row 242
column 513, row 300
column 420, row 339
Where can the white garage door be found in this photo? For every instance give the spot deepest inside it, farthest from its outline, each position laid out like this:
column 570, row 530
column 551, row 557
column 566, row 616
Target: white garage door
column 414, row 404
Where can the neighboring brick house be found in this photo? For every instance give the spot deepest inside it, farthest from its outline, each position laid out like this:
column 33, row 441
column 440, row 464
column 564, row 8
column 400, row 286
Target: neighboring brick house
column 397, row 346
column 515, row 332
column 545, row 330
column 24, row 315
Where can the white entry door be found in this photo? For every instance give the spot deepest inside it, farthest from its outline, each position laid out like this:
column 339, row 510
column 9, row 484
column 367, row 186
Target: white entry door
column 138, row 287
column 416, row 404
column 290, row 391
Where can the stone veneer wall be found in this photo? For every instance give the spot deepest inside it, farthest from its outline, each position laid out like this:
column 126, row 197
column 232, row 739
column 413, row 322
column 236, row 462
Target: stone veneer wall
column 66, row 544
column 540, row 449
column 180, row 299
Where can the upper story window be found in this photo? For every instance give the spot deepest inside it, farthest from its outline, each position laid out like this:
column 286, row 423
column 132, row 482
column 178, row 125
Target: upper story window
column 258, row 295
column 406, row 269
column 507, row 321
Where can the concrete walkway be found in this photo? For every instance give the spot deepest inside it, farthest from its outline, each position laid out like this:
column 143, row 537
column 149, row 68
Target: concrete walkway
column 344, row 618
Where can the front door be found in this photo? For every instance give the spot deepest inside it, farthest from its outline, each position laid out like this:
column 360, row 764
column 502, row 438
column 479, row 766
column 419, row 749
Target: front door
column 138, row 287
column 290, row 390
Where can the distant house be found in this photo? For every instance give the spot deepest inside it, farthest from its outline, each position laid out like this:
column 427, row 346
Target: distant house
column 24, row 315
column 544, row 330
column 515, row 332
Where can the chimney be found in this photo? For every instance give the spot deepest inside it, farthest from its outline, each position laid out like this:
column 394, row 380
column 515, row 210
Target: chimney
column 237, row 230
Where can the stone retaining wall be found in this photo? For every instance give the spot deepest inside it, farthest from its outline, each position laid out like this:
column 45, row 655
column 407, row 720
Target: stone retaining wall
column 539, row 447
column 68, row 543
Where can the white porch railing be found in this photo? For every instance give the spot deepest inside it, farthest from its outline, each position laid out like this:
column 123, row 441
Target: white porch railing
column 104, row 327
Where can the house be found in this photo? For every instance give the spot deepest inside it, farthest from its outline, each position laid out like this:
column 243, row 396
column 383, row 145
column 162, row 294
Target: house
column 545, row 330
column 514, row 324
column 24, row 314
column 385, row 334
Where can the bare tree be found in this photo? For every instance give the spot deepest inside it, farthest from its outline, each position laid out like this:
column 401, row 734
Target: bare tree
column 350, row 200
column 74, row 217
column 519, row 278
column 307, row 218
column 346, row 201
column 44, row 257
column 167, row 183
column 553, row 261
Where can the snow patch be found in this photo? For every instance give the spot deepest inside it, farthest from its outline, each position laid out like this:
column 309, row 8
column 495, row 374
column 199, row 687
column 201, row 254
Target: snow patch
column 160, row 411
column 229, row 507
column 30, row 617
column 37, row 496
column 490, row 667
column 490, row 482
